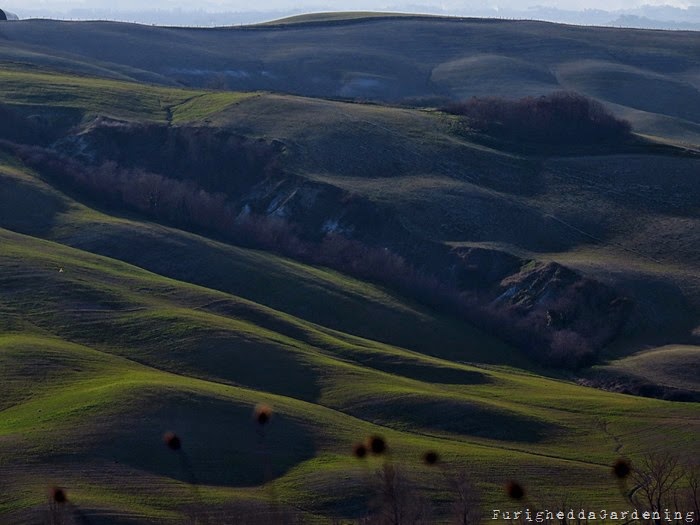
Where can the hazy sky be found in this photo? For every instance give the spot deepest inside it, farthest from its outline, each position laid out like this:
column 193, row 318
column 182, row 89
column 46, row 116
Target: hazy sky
column 263, row 5
column 678, row 14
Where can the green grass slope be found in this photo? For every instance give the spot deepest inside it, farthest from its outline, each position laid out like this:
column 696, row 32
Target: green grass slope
column 99, row 358
column 111, row 98
column 417, row 164
column 671, row 366
column 33, row 207
column 95, row 370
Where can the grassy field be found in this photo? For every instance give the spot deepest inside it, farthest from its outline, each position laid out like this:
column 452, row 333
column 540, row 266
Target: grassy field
column 115, row 329
column 111, row 98
column 669, row 365
column 95, row 369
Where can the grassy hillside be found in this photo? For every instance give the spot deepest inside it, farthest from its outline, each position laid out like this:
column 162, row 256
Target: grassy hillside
column 606, row 213
column 33, row 207
column 425, row 170
column 669, row 366
column 95, row 370
column 605, row 201
column 111, row 98
column 118, row 325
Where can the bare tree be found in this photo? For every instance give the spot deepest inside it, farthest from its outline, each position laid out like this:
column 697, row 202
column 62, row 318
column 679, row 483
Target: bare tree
column 398, row 503
column 692, row 499
column 657, row 483
column 466, row 508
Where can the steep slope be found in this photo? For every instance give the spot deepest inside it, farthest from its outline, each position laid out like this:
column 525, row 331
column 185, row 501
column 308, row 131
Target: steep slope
column 33, row 207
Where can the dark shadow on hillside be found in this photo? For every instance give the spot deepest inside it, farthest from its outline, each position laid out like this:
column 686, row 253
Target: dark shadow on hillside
column 219, row 438
column 618, row 381
column 40, row 124
column 662, row 314
column 180, row 345
column 27, row 209
column 257, row 365
column 458, row 417
column 425, row 372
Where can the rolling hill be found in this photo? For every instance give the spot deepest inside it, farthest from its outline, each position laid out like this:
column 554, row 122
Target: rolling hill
column 197, row 222
column 648, row 76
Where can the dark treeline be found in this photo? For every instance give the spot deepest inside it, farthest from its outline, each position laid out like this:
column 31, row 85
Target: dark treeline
column 562, row 117
column 184, row 204
column 32, row 125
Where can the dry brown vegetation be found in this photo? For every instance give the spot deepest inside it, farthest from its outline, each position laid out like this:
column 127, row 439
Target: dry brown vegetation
column 562, row 117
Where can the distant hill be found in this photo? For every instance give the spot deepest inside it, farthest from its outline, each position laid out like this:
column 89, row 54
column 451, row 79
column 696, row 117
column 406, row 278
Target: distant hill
column 6, row 15
column 642, row 21
column 641, row 74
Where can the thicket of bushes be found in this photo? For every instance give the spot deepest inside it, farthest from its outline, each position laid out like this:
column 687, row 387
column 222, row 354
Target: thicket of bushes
column 558, row 118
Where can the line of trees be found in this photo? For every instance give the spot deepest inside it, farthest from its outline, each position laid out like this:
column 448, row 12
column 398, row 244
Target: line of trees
column 561, row 117
column 184, row 204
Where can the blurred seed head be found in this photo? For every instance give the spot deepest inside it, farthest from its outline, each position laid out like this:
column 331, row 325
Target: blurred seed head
column 431, row 457
column 515, row 490
column 622, row 468
column 359, row 450
column 262, row 414
column 58, row 495
column 377, row 445
column 172, row 441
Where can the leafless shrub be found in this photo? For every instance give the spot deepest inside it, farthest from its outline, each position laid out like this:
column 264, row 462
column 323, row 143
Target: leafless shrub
column 661, row 484
column 692, row 494
column 398, row 501
column 569, row 349
column 58, row 503
column 560, row 117
column 466, row 507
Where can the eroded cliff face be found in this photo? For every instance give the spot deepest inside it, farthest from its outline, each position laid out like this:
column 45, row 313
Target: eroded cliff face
column 213, row 159
column 561, row 316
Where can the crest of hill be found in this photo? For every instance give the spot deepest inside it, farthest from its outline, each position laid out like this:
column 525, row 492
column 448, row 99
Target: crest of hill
column 339, row 16
column 6, row 15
